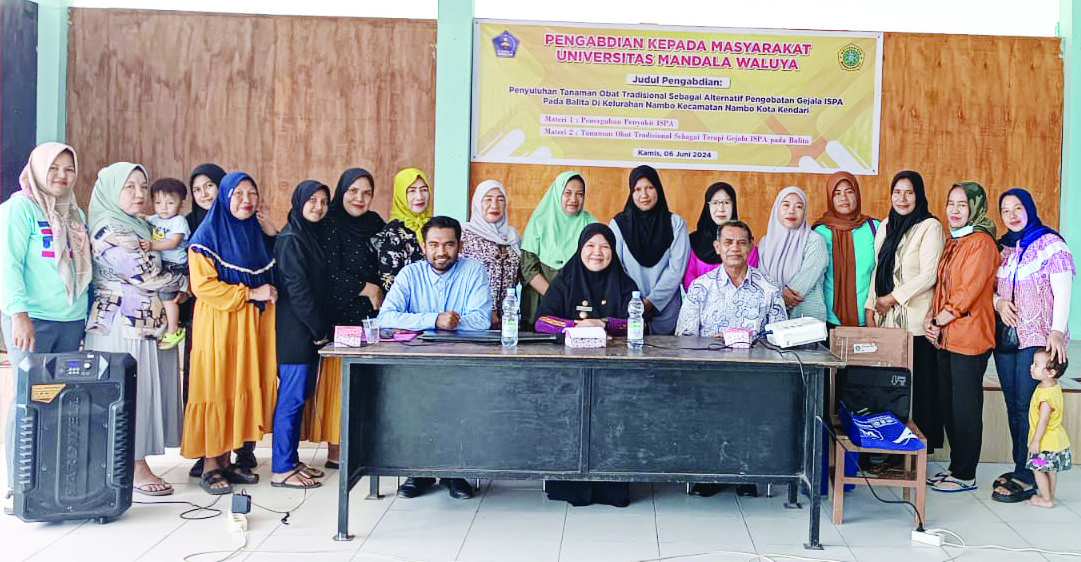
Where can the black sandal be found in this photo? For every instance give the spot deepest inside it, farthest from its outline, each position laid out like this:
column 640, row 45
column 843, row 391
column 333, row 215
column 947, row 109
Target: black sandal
column 212, row 477
column 1016, row 492
column 237, row 475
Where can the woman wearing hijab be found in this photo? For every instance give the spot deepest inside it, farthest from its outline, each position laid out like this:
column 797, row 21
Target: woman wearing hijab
column 303, row 326
column 653, row 245
column 961, row 324
column 400, row 242
column 794, row 257
column 491, row 240
column 850, row 240
column 356, row 293
column 203, row 182
column 45, row 268
column 1033, row 289
column 548, row 240
column 233, row 357
column 591, row 290
column 909, row 247
column 127, row 315
column 719, row 208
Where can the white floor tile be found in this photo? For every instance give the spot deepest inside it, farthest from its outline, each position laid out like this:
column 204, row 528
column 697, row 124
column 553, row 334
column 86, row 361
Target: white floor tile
column 422, row 525
column 519, row 500
column 915, row 553
column 537, row 526
column 426, row 549
column 772, row 530
column 731, row 532
column 831, row 551
column 1050, row 536
column 518, row 550
column 594, row 551
column 20, row 540
column 700, row 552
column 592, row 526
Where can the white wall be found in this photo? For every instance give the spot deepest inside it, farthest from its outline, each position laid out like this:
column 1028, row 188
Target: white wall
column 974, row 17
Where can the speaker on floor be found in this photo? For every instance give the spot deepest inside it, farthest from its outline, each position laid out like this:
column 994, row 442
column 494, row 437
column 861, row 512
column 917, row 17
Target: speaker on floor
column 74, row 427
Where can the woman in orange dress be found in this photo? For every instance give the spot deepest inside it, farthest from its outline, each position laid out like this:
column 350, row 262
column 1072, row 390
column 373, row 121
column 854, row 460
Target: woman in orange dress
column 233, row 380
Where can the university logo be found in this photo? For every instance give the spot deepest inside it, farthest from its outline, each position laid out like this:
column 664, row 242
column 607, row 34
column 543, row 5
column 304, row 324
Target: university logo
column 506, row 45
column 850, row 57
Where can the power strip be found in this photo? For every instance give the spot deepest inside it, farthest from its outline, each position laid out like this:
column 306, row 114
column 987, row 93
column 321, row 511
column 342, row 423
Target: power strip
column 238, row 522
column 927, row 538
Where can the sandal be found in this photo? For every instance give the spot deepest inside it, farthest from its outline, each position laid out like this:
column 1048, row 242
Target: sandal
column 311, row 471
column 212, row 477
column 332, row 465
column 145, row 490
column 1016, row 492
column 952, row 485
column 172, row 339
column 299, row 471
column 932, row 480
column 196, row 469
column 236, row 475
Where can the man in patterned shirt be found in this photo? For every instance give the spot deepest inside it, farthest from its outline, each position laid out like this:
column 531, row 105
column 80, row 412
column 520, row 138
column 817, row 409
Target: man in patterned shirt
column 732, row 296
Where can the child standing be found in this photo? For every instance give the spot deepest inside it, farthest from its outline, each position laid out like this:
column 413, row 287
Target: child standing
column 1048, row 444
column 170, row 237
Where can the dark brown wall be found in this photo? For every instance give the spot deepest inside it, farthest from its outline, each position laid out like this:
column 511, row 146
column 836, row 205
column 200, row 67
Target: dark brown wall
column 282, row 98
column 287, row 98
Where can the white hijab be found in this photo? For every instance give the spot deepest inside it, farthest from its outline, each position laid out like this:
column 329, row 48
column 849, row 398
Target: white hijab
column 780, row 254
column 499, row 232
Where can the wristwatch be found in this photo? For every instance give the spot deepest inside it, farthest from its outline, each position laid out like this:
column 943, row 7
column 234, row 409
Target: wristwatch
column 934, row 322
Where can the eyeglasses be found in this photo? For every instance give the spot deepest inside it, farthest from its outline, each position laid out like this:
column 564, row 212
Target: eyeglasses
column 716, row 204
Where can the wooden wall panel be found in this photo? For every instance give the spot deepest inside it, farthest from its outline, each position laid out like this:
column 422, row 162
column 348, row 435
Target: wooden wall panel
column 289, row 98
column 282, row 98
column 954, row 107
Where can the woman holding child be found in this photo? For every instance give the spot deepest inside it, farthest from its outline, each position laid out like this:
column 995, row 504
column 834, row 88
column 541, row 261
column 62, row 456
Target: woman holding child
column 127, row 314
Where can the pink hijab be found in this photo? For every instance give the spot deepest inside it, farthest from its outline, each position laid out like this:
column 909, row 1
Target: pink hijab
column 71, row 245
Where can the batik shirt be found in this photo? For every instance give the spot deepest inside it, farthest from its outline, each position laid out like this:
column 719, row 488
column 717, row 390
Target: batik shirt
column 713, row 303
column 1043, row 258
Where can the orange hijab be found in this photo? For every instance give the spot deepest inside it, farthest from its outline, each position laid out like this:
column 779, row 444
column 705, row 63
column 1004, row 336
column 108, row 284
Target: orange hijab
column 844, row 253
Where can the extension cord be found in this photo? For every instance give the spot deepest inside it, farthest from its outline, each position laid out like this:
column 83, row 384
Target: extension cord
column 238, row 522
column 927, row 538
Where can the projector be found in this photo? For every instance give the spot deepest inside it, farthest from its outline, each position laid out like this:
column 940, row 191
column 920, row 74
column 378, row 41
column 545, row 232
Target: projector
column 798, row 331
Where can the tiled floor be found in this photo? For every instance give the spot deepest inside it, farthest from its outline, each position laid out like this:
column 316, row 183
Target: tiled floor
column 512, row 521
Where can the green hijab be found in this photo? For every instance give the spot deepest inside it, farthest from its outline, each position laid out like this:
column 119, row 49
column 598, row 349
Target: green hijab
column 977, row 209
column 105, row 201
column 550, row 234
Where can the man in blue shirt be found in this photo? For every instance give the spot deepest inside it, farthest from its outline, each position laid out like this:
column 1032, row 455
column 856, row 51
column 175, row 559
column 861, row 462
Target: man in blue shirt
column 444, row 292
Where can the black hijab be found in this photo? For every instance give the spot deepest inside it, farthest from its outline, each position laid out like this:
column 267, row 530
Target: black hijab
column 216, row 174
column 648, row 234
column 310, row 235
column 702, row 239
column 607, row 291
column 355, row 228
column 896, row 228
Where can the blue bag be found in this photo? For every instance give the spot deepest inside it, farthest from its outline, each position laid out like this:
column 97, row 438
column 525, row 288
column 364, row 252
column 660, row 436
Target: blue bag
column 879, row 431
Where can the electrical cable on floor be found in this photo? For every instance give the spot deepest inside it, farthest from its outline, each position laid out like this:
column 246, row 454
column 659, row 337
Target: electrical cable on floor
column 964, row 546
column 195, row 508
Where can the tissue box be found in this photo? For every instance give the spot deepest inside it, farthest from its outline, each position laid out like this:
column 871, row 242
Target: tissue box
column 586, row 336
column 737, row 337
column 350, row 336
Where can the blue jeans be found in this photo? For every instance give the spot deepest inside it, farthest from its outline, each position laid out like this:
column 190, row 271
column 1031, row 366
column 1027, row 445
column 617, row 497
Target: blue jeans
column 1017, row 388
column 49, row 337
column 295, row 385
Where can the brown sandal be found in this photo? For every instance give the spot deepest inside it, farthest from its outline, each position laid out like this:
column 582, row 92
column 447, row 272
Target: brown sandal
column 299, row 471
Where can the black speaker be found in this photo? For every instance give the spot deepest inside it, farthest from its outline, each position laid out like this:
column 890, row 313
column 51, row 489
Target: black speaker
column 74, row 422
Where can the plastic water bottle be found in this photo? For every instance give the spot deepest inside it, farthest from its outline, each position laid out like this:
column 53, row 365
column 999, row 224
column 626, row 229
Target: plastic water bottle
column 510, row 319
column 636, row 325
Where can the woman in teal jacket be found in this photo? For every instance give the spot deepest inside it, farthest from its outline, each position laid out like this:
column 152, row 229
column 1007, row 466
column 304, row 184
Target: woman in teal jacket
column 850, row 239
column 45, row 267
